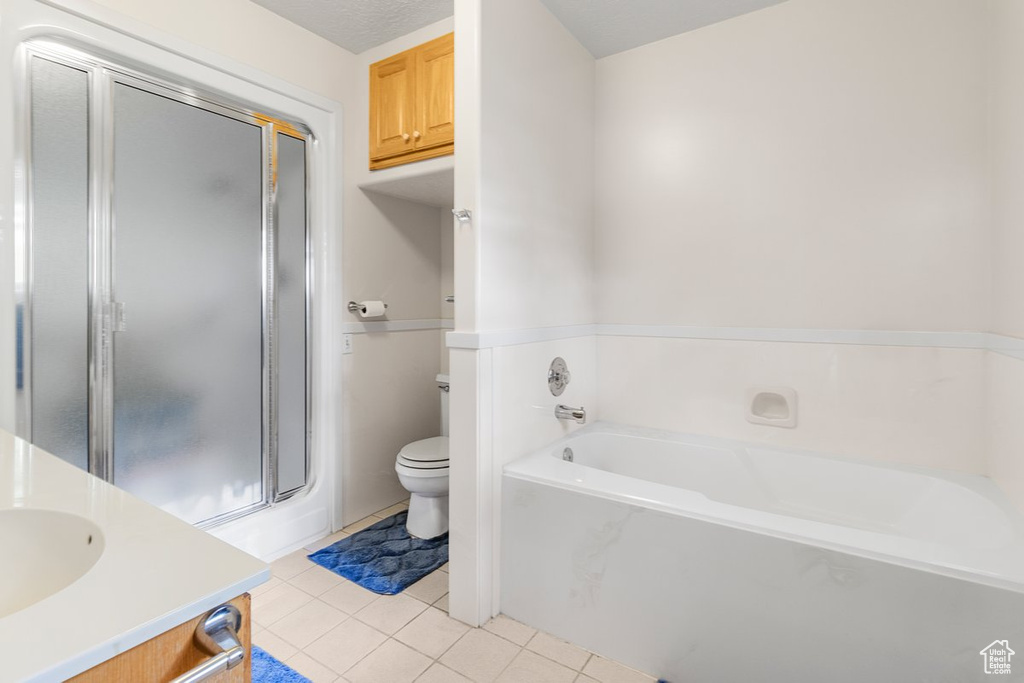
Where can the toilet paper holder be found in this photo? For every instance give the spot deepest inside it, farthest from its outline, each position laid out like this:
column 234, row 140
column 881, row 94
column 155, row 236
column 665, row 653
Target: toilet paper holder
column 355, row 307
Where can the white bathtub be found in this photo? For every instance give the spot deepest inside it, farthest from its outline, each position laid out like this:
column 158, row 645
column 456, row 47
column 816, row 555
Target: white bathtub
column 703, row 559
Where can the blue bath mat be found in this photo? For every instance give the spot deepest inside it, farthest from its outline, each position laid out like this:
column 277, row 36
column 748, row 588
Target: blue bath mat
column 384, row 558
column 266, row 668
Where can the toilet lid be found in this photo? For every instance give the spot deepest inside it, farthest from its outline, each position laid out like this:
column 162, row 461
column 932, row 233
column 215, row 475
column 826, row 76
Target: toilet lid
column 417, row 465
column 433, row 450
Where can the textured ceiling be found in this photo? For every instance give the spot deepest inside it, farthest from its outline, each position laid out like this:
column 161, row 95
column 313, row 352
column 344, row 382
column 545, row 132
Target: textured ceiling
column 608, row 26
column 359, row 25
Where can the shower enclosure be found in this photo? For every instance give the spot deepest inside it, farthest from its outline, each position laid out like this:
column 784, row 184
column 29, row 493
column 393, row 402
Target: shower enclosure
column 163, row 287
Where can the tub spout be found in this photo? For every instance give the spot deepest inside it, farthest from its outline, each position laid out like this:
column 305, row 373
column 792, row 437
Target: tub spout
column 564, row 412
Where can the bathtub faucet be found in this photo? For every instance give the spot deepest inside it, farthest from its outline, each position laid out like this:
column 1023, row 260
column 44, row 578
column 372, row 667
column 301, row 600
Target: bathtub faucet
column 564, row 412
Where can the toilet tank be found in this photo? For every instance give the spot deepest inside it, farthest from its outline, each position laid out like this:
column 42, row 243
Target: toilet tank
column 442, row 385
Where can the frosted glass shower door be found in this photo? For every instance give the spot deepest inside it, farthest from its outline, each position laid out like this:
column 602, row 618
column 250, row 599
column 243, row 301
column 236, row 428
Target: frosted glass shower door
column 59, row 313
column 188, row 270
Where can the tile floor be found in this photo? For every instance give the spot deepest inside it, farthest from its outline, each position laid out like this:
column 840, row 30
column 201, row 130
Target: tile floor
column 332, row 630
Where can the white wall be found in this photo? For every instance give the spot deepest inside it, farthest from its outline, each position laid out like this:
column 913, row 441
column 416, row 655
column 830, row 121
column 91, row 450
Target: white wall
column 447, row 278
column 244, row 31
column 1006, row 375
column 816, row 164
column 391, row 399
column 469, row 503
column 919, row 406
column 536, row 156
column 524, row 157
column 1008, row 165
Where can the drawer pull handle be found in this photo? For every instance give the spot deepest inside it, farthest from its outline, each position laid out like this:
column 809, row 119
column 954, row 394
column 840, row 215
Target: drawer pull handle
column 217, row 634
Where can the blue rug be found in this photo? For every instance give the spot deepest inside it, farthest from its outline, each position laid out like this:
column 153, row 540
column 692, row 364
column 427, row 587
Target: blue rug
column 268, row 669
column 384, row 558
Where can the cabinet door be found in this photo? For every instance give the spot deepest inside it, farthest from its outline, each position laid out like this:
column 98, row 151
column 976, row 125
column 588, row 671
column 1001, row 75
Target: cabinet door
column 171, row 654
column 392, row 93
column 435, row 93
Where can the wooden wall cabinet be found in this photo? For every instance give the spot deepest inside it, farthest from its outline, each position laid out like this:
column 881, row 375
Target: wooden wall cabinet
column 171, row 654
column 412, row 104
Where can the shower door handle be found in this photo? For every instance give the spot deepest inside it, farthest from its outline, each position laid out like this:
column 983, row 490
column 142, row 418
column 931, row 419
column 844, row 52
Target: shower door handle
column 119, row 323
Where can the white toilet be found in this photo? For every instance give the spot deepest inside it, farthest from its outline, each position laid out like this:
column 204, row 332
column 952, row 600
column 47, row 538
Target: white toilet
column 422, row 468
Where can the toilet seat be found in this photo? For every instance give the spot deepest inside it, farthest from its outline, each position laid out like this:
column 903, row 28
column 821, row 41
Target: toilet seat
column 425, row 454
column 416, row 465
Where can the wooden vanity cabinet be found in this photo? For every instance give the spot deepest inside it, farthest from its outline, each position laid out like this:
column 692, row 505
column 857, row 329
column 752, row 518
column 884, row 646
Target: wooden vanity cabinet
column 412, row 104
column 171, row 654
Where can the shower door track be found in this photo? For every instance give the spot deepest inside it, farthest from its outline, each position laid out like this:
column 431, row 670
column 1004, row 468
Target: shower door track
column 103, row 73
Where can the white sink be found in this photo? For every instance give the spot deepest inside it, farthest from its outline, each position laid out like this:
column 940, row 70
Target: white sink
column 42, row 552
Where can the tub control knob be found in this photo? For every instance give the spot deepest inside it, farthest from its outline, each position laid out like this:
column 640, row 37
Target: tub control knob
column 558, row 376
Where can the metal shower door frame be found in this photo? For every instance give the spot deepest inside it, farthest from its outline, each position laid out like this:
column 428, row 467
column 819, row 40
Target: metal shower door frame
column 103, row 74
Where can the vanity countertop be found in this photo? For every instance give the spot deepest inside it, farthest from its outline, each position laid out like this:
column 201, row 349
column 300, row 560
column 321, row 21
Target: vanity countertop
column 155, row 571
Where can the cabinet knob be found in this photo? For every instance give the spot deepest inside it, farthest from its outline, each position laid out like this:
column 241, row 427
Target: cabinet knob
column 405, row 136
column 416, row 134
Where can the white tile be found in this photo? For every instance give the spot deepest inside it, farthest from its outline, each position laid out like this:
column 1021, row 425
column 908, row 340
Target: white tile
column 444, row 567
column 441, row 674
column 607, row 671
column 272, row 582
column 361, row 524
column 291, row 565
column 312, row 669
column 348, row 597
column 274, row 645
column 510, row 629
column 528, row 667
column 393, row 510
column 429, row 588
column 389, row 613
column 939, row 434
column 432, row 632
column 326, row 541
column 480, row 655
column 585, row 679
column 392, row 662
column 316, row 580
column 442, row 603
column 277, row 602
column 558, row 650
column 307, row 623
column 344, row 645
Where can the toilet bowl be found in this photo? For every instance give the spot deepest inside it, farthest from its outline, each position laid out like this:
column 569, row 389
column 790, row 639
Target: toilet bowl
column 422, row 467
